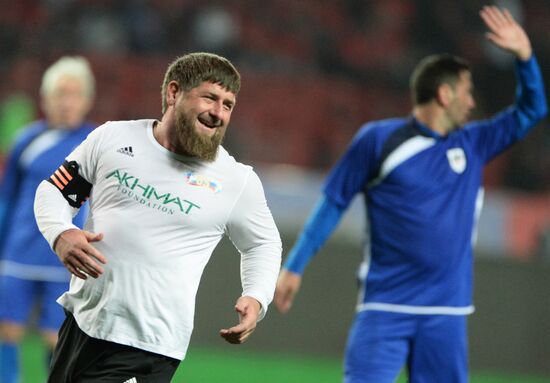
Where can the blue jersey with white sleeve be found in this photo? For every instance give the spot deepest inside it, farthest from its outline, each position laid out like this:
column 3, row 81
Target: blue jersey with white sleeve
column 36, row 154
column 423, row 196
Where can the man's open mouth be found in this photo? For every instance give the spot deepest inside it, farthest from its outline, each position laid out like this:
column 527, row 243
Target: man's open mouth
column 210, row 124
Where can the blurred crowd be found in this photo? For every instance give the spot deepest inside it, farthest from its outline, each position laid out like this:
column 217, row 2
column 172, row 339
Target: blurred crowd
column 313, row 70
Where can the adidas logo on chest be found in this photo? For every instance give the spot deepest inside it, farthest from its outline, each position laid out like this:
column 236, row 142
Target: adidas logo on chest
column 126, row 150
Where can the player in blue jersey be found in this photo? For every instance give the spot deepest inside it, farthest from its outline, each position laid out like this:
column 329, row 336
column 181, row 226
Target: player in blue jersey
column 421, row 179
column 29, row 273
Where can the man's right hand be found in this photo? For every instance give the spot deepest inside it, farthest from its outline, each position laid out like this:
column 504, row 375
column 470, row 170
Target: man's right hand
column 288, row 285
column 77, row 254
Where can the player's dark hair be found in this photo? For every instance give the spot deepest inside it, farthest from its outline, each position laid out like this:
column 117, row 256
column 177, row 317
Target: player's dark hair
column 192, row 69
column 432, row 72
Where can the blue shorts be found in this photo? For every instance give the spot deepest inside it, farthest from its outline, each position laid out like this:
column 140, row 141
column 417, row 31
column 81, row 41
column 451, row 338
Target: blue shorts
column 433, row 348
column 19, row 296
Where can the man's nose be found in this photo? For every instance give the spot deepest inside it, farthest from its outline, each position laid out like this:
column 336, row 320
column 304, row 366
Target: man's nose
column 217, row 109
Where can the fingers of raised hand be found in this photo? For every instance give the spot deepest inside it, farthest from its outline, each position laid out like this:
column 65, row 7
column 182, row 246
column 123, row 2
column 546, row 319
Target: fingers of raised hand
column 495, row 19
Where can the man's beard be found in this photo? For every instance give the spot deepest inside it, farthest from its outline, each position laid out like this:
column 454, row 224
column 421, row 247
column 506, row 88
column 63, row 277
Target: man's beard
column 192, row 144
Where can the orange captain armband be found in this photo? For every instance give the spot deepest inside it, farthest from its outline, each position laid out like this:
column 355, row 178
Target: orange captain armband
column 72, row 185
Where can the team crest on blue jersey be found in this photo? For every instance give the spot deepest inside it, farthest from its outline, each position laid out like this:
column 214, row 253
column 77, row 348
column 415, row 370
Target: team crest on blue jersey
column 457, row 160
column 203, row 181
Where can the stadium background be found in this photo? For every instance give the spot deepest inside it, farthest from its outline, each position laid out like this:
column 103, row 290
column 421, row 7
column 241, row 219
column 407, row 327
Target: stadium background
column 313, row 71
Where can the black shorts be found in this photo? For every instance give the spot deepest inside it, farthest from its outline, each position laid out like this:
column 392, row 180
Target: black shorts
column 83, row 359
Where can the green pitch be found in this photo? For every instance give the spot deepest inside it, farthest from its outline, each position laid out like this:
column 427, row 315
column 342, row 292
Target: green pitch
column 230, row 363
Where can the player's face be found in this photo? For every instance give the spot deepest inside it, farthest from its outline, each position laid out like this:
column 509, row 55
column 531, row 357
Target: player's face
column 67, row 104
column 202, row 116
column 463, row 101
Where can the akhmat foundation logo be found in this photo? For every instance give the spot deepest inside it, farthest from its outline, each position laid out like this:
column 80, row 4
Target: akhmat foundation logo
column 149, row 196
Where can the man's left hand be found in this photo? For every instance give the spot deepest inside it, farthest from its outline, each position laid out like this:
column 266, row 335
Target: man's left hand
column 505, row 32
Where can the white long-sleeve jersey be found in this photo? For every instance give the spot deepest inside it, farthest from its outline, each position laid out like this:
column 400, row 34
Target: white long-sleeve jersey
column 162, row 215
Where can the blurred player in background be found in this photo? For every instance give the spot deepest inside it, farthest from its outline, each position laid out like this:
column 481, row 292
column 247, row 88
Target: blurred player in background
column 162, row 195
column 29, row 272
column 421, row 177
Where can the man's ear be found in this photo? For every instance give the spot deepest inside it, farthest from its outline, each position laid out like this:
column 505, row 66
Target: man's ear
column 445, row 94
column 172, row 90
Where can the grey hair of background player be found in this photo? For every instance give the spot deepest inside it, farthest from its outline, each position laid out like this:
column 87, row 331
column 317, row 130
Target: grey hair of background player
column 73, row 66
column 67, row 92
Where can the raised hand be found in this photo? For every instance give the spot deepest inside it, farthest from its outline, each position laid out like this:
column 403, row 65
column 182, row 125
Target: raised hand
column 505, row 32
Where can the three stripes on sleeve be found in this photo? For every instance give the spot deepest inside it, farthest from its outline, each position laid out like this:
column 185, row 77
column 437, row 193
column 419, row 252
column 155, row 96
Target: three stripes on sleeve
column 72, row 185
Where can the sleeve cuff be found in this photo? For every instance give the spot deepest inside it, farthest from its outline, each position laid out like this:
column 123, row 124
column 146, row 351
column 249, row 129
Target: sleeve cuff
column 261, row 301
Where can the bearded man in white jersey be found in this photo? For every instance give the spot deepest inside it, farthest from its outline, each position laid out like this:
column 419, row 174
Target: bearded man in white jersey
column 162, row 194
